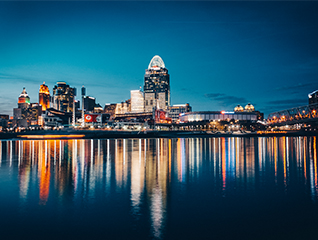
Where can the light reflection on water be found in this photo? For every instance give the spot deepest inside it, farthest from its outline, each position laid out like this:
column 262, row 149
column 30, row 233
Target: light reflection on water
column 152, row 171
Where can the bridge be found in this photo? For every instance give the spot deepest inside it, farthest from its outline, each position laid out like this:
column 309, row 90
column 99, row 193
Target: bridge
column 299, row 115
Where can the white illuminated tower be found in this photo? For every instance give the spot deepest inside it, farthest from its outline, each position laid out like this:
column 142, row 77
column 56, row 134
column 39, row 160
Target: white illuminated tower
column 156, row 86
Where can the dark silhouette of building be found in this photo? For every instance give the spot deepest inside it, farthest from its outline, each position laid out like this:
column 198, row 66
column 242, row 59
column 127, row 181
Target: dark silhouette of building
column 89, row 103
column 313, row 97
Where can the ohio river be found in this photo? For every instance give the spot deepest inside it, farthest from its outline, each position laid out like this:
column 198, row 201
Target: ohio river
column 178, row 188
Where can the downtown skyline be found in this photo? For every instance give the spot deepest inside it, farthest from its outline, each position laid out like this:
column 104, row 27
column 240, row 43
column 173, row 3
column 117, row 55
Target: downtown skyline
column 219, row 54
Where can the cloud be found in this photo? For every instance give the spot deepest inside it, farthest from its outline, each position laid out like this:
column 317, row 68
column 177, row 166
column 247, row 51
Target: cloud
column 280, row 105
column 225, row 100
column 297, row 86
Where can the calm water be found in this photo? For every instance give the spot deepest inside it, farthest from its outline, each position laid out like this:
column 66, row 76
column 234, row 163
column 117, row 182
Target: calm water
column 229, row 188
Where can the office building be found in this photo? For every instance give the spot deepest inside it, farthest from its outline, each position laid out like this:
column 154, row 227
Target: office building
column 89, row 103
column 176, row 110
column 137, row 101
column 44, row 97
column 156, row 86
column 63, row 97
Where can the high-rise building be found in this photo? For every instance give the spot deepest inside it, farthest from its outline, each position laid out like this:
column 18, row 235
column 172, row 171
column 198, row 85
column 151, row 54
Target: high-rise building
column 63, row 97
column 27, row 113
column 137, row 101
column 23, row 100
column 89, row 103
column 156, row 86
column 44, row 96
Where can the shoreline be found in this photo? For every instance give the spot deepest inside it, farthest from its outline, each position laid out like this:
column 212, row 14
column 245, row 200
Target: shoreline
column 109, row 134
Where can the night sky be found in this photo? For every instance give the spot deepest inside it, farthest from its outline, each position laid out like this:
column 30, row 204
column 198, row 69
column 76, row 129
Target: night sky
column 219, row 54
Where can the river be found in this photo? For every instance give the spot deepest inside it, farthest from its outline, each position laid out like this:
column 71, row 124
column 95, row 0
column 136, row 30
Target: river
column 179, row 188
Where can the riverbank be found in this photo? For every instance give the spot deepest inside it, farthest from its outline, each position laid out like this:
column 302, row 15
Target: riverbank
column 94, row 134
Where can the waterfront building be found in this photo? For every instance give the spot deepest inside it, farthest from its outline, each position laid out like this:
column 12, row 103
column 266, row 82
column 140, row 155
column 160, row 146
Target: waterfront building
column 137, row 101
column 218, row 116
column 98, row 108
column 156, row 86
column 110, row 108
column 123, row 107
column 313, row 97
column 63, row 97
column 176, row 110
column 89, row 103
column 44, row 96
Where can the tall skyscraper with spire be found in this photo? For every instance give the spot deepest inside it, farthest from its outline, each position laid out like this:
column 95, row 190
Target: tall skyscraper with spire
column 156, row 86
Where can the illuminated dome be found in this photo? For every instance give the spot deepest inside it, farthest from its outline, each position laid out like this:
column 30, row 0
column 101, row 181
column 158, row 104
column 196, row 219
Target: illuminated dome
column 249, row 107
column 156, row 62
column 24, row 97
column 238, row 108
column 44, row 89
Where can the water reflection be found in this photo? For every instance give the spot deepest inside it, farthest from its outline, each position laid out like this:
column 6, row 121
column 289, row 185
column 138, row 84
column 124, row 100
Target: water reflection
column 147, row 168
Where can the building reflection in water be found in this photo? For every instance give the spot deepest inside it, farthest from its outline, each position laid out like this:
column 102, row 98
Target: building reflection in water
column 83, row 169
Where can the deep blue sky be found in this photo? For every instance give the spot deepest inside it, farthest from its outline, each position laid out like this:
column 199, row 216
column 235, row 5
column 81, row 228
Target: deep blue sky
column 219, row 54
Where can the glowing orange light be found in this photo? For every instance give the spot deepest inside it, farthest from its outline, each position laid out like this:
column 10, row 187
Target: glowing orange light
column 51, row 136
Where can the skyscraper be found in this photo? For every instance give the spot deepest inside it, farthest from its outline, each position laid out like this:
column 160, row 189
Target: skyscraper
column 44, row 96
column 23, row 100
column 157, row 85
column 137, row 101
column 63, row 97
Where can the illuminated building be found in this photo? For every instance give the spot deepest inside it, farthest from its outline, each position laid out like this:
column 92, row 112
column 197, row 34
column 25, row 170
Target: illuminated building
column 313, row 97
column 23, row 100
column 238, row 108
column 176, row 110
column 110, row 108
column 27, row 113
column 44, row 96
column 214, row 115
column 98, row 108
column 156, row 86
column 137, row 101
column 249, row 108
column 63, row 97
column 123, row 107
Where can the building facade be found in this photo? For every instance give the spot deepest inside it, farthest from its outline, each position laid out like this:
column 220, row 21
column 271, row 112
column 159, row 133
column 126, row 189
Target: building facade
column 63, row 97
column 156, row 86
column 176, row 110
column 218, row 116
column 137, row 101
column 44, row 97
column 89, row 103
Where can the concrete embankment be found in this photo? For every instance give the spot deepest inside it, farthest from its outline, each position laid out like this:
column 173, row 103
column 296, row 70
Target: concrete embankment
column 94, row 134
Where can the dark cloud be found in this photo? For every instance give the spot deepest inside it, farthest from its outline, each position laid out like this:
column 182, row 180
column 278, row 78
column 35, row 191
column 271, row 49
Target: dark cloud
column 297, row 86
column 292, row 102
column 280, row 105
column 226, row 100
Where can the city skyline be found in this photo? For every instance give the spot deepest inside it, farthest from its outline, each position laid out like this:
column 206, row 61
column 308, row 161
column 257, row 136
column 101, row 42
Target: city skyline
column 218, row 54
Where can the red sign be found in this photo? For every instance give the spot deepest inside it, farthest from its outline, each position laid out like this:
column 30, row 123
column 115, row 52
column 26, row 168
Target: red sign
column 92, row 118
